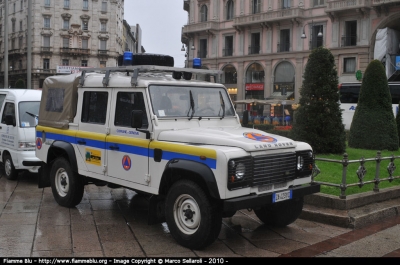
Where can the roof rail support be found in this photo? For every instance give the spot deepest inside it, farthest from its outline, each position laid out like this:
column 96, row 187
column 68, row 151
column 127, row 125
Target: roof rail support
column 134, row 77
column 106, row 78
column 82, row 79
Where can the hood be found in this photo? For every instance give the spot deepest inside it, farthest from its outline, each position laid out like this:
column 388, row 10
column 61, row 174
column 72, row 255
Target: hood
column 245, row 138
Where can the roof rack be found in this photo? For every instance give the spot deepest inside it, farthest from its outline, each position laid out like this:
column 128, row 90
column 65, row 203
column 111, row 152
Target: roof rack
column 135, row 69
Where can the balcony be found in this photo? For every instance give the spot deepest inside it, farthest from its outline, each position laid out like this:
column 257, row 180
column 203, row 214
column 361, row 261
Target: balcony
column 383, row 6
column 103, row 53
column 75, row 51
column 270, row 16
column 349, row 41
column 283, row 47
column 227, row 52
column 254, row 50
column 208, row 26
column 347, row 6
column 46, row 49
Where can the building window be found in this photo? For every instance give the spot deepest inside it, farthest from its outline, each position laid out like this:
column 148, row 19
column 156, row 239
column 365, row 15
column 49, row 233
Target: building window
column 85, row 25
column 103, row 26
column 46, row 64
column 22, row 5
column 12, row 43
column 229, row 76
column 284, row 45
column 66, row 3
column 14, row 8
column 229, row 10
column 85, row 4
column 46, row 41
column 65, row 62
column 350, row 37
column 255, row 47
column 286, row 4
column 84, row 63
column 318, row 2
column 349, row 65
column 228, row 50
column 47, row 3
column 316, row 41
column 1, row 30
column 20, row 39
column 202, row 52
column 103, row 45
column 46, row 22
column 203, row 13
column 66, row 23
column 13, row 26
column 65, row 42
column 20, row 25
column 103, row 64
column 19, row 64
column 256, row 6
column 85, row 44
column 104, row 6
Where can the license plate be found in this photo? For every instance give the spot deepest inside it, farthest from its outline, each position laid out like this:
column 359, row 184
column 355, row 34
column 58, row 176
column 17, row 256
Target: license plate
column 282, row 196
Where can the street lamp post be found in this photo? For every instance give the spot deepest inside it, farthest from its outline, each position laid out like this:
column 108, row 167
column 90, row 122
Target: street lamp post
column 304, row 36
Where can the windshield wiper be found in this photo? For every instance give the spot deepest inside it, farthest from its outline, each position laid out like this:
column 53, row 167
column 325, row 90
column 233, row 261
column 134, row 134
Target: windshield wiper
column 191, row 105
column 222, row 105
column 31, row 114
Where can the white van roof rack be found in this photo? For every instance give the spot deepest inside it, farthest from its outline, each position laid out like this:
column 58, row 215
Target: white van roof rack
column 177, row 72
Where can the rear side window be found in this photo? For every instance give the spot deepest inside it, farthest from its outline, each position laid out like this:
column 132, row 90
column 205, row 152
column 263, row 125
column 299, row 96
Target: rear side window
column 2, row 97
column 94, row 109
column 55, row 100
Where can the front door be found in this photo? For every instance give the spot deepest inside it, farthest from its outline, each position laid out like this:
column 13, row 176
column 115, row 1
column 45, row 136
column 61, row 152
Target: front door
column 127, row 148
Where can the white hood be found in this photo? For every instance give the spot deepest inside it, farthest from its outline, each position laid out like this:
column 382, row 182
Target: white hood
column 245, row 138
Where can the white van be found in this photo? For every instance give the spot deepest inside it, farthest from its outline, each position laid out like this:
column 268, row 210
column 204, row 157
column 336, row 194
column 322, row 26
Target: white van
column 19, row 110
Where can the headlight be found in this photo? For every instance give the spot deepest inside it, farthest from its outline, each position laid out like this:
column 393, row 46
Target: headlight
column 300, row 162
column 26, row 145
column 240, row 171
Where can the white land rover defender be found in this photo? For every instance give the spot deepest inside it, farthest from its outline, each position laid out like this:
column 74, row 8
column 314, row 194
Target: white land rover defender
column 155, row 130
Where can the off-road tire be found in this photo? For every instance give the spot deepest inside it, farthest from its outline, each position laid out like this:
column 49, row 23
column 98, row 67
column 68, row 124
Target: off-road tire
column 9, row 170
column 193, row 218
column 66, row 185
column 282, row 213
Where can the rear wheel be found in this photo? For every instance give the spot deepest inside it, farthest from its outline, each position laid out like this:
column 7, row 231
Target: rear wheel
column 282, row 213
column 193, row 219
column 66, row 185
column 9, row 170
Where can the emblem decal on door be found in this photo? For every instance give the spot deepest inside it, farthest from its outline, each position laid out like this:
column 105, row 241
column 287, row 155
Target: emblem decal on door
column 126, row 162
column 93, row 157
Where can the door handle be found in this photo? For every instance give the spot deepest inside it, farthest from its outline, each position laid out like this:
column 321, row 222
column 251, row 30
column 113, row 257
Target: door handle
column 114, row 147
column 81, row 142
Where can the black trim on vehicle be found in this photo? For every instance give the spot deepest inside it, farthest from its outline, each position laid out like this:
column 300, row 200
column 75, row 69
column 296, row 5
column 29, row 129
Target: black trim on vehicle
column 197, row 168
column 254, row 201
column 44, row 178
column 69, row 149
column 31, row 163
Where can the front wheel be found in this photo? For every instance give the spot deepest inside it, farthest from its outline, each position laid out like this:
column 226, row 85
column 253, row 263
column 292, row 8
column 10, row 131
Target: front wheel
column 66, row 185
column 9, row 170
column 282, row 213
column 193, row 219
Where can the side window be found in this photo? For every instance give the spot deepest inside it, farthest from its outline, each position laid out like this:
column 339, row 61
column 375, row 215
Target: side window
column 94, row 109
column 126, row 102
column 55, row 100
column 9, row 109
column 2, row 97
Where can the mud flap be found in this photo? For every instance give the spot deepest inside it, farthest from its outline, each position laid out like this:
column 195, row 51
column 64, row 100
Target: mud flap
column 44, row 176
column 156, row 213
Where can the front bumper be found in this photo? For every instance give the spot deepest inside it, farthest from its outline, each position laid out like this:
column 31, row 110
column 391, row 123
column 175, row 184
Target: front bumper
column 255, row 201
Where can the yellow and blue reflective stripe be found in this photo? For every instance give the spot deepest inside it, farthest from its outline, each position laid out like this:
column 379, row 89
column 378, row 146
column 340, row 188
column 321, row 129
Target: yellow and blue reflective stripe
column 132, row 145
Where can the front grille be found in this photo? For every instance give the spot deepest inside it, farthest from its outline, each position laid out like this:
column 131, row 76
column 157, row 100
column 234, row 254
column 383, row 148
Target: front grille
column 275, row 168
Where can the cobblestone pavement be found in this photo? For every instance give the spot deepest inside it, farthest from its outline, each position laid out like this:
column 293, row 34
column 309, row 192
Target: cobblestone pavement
column 113, row 223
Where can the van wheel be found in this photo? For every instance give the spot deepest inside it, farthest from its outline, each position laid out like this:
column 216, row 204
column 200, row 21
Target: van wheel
column 9, row 170
column 280, row 214
column 193, row 219
column 66, row 185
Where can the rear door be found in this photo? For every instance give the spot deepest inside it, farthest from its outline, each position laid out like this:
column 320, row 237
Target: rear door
column 128, row 148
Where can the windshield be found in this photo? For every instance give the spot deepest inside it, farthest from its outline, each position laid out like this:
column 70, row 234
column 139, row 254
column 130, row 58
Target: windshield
column 28, row 113
column 192, row 102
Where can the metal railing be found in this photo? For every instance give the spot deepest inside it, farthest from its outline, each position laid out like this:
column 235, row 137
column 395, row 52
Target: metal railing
column 350, row 40
column 227, row 52
column 283, row 47
column 254, row 49
column 361, row 172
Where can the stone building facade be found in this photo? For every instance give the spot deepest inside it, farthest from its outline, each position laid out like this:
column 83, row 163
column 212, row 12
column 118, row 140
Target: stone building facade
column 263, row 45
column 69, row 33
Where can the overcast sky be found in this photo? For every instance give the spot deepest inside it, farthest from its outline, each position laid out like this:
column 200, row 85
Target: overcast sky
column 161, row 22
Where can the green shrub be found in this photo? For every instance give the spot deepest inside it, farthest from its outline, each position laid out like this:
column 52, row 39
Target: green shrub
column 318, row 120
column 374, row 126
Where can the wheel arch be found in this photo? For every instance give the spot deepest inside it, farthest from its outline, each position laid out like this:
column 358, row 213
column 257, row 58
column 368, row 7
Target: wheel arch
column 63, row 149
column 177, row 169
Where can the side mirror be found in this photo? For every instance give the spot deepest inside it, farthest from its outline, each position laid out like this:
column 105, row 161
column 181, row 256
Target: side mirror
column 245, row 119
column 137, row 119
column 10, row 120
